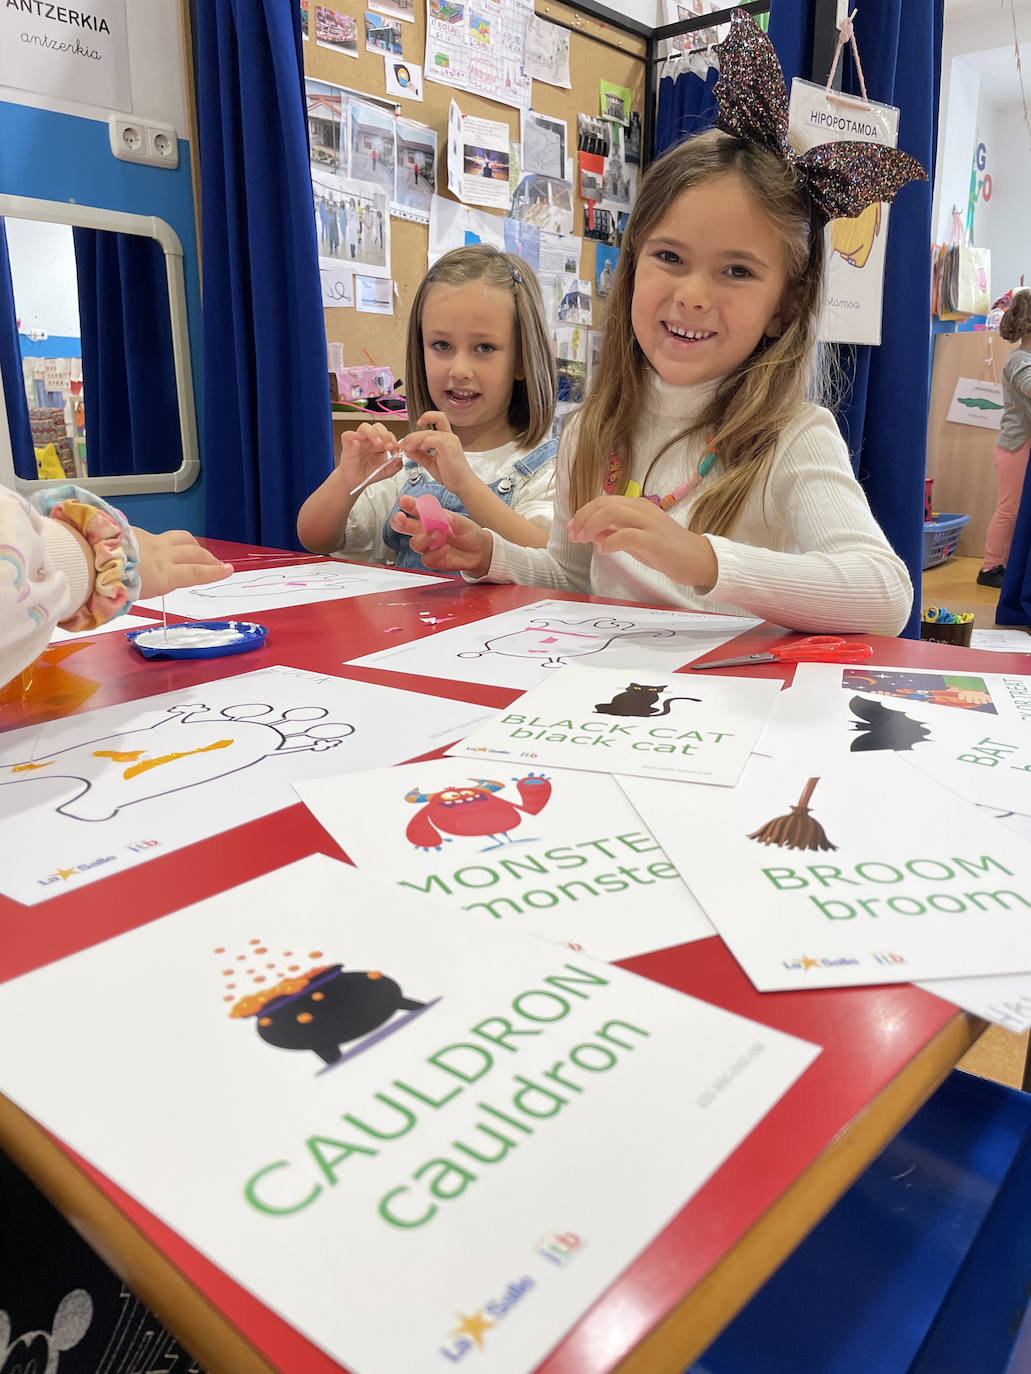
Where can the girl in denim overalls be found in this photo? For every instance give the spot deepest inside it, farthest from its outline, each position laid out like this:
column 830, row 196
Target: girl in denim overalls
column 481, row 380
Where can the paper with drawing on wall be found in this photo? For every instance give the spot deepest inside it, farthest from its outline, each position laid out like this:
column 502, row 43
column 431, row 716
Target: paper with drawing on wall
column 477, row 159
column 976, row 402
column 863, row 872
column 564, row 856
column 453, row 225
column 362, row 1116
column 297, row 585
column 97, row 793
column 518, row 648
column 604, row 720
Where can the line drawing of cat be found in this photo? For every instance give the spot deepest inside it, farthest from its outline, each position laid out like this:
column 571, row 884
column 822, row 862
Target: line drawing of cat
column 639, row 699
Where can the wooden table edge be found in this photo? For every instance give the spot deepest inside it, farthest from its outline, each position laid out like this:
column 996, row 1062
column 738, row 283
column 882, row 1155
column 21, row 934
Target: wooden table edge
column 680, row 1338
column 717, row 1298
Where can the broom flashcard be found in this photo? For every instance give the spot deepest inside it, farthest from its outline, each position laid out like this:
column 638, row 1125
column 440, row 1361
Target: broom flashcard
column 563, row 855
column 918, row 884
column 604, row 720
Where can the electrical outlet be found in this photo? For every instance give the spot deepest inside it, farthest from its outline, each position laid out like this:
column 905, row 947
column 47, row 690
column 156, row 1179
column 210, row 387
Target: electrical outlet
column 138, row 140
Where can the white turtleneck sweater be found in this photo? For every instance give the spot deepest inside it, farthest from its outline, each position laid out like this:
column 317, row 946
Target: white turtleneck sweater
column 806, row 552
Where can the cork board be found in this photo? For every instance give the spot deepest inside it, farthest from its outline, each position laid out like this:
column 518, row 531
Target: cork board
column 597, row 51
column 959, row 457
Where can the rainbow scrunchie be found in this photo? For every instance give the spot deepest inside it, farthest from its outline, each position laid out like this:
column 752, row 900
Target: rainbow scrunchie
column 115, row 551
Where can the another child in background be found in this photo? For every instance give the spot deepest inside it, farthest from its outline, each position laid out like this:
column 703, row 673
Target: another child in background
column 1011, row 447
column 481, row 379
column 700, row 400
column 72, row 560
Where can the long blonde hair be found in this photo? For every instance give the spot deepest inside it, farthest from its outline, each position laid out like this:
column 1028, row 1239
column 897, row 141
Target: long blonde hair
column 753, row 403
column 532, row 407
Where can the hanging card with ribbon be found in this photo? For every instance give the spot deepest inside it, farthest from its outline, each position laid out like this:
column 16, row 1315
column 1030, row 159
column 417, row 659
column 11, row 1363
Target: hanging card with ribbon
column 978, row 401
column 855, row 247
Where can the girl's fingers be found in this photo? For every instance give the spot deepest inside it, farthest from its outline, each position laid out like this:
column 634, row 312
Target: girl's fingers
column 435, row 419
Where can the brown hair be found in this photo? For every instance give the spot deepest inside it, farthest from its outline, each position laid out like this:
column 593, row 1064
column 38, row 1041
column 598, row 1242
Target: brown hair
column 1017, row 320
column 754, row 403
column 532, row 407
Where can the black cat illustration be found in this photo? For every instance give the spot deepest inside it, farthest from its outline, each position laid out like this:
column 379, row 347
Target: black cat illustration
column 881, row 728
column 638, row 699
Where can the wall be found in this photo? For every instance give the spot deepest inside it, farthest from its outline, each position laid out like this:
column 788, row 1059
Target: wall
column 1002, row 222
column 43, row 271
column 60, row 150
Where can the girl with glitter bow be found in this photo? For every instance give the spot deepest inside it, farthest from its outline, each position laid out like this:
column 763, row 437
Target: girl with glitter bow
column 698, row 473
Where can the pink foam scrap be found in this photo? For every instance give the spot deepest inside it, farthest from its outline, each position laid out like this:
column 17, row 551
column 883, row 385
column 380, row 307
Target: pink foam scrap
column 434, row 520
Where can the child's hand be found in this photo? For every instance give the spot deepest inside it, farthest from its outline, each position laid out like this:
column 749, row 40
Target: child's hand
column 468, row 548
column 629, row 524
column 363, row 450
column 175, row 559
column 440, row 452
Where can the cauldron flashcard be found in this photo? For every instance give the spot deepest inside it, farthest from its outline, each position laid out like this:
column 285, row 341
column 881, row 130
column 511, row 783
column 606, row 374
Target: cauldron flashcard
column 263, row 589
column 980, row 749
column 94, row 794
column 605, row 720
column 380, row 1116
column 523, row 647
column 863, row 872
column 563, row 856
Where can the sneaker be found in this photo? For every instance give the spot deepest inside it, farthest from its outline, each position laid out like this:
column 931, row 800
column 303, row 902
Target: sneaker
column 991, row 577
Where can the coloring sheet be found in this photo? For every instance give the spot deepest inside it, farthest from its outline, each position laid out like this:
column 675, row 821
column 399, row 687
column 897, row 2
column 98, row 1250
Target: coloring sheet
column 868, row 872
column 565, row 857
column 93, row 794
column 602, row 720
column 521, row 648
column 120, row 622
column 414, row 1147
column 964, row 743
column 263, row 589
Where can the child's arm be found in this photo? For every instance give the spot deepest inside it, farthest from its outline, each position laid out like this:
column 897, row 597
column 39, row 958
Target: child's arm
column 467, row 548
column 322, row 520
column 440, row 452
column 628, row 524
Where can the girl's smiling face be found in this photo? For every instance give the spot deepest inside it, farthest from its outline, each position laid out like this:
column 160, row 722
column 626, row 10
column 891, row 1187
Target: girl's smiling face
column 471, row 359
column 710, row 282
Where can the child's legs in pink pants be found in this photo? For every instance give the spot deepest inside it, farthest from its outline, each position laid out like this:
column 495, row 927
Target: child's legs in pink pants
column 1009, row 476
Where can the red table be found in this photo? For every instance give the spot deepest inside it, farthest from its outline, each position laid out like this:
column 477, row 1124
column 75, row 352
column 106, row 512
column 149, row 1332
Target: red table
column 885, row 1050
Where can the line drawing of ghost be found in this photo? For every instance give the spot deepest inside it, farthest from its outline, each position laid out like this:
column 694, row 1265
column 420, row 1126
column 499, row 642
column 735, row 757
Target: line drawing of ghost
column 553, row 643
column 190, row 745
column 317, row 579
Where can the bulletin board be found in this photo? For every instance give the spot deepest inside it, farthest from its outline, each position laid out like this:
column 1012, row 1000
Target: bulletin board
column 959, row 457
column 597, row 51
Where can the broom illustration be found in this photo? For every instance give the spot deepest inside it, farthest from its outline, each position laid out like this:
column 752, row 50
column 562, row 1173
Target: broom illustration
column 798, row 830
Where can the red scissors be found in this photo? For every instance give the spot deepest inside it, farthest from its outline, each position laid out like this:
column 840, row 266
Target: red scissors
column 812, row 649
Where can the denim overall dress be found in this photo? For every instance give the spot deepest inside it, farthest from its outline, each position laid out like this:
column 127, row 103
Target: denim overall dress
column 419, row 483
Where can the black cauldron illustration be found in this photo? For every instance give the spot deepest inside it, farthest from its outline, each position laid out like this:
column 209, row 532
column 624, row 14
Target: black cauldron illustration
column 326, row 1008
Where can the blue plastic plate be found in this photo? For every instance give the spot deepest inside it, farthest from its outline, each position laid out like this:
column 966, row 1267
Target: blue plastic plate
column 250, row 637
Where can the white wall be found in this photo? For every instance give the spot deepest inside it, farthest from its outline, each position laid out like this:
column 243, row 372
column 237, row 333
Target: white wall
column 957, row 139
column 1001, row 223
column 46, row 294
column 156, row 69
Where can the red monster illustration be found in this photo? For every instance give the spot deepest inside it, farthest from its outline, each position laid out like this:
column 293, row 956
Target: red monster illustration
column 474, row 810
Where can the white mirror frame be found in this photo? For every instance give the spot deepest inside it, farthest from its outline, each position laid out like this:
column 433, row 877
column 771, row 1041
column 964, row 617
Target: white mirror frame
column 147, row 226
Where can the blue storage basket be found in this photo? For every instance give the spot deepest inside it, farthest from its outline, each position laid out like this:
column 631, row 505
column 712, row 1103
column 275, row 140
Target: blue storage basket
column 941, row 537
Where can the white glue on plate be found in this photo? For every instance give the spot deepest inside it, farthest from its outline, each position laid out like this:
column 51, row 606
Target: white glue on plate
column 188, row 637
column 198, row 639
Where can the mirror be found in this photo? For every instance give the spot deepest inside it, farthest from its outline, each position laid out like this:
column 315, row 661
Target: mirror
column 94, row 341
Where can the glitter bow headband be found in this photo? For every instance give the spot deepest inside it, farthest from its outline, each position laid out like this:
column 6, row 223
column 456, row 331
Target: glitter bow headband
column 842, row 179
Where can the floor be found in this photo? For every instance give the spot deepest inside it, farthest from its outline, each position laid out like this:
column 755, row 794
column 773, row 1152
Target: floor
column 999, row 1053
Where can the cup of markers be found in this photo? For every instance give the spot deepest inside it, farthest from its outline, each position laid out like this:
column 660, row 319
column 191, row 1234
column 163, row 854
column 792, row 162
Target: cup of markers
column 946, row 627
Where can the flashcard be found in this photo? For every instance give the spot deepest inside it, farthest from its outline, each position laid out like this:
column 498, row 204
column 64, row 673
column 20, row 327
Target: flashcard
column 93, row 794
column 264, row 589
column 945, row 725
column 565, row 857
column 700, row 729
column 411, row 1117
column 867, row 872
column 522, row 647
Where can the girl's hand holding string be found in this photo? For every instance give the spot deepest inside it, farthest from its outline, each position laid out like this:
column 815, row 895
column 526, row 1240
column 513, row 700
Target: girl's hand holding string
column 174, row 559
column 435, row 447
column 363, row 450
column 468, row 547
column 632, row 525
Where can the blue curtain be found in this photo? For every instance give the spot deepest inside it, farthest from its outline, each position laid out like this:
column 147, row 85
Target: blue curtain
column 267, row 432
column 686, row 106
column 11, row 372
column 884, row 413
column 1014, row 606
column 128, row 377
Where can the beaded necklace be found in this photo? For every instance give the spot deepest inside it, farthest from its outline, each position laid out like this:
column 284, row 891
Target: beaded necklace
column 671, row 498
